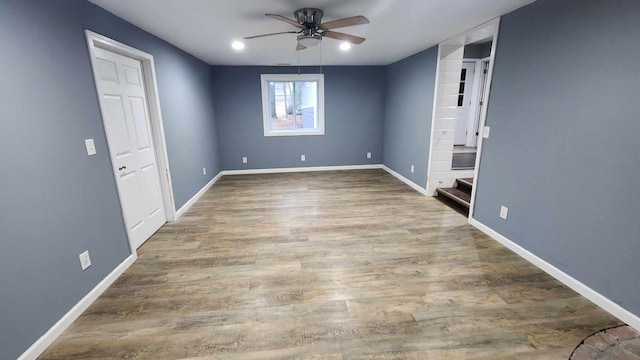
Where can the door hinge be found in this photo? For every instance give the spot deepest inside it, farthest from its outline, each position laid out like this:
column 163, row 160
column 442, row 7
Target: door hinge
column 485, row 71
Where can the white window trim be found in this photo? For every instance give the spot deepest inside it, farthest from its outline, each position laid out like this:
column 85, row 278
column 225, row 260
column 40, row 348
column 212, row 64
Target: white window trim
column 265, row 78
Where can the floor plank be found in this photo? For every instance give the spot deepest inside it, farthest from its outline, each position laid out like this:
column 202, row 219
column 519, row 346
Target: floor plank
column 333, row 265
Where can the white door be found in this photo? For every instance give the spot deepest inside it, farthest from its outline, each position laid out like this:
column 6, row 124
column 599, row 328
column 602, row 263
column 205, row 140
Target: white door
column 464, row 103
column 126, row 119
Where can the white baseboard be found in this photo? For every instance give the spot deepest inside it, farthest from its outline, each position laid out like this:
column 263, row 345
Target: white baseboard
column 59, row 327
column 582, row 289
column 419, row 189
column 301, row 169
column 197, row 196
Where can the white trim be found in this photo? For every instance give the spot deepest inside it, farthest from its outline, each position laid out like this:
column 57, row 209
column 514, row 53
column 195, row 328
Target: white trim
column 266, row 118
column 406, row 181
column 301, row 169
column 582, row 289
column 471, row 138
column 483, row 116
column 155, row 112
column 197, row 196
column 148, row 66
column 38, row 347
column 433, row 120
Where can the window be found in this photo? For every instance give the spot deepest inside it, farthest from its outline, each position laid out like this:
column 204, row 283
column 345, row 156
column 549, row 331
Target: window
column 293, row 104
column 463, row 80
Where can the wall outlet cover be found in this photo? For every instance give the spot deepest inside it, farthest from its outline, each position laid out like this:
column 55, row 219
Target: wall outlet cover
column 303, row 158
column 369, row 155
column 244, row 159
column 204, row 171
column 413, row 168
column 91, row 147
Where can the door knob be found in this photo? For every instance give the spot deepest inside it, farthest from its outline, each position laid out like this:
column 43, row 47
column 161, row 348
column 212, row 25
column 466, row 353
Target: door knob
column 122, row 168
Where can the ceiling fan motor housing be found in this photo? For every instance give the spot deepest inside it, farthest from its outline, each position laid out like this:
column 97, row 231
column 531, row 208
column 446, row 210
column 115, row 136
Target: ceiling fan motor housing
column 310, row 18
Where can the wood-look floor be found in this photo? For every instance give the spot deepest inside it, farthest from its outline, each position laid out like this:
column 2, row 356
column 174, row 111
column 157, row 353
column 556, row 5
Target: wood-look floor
column 332, row 265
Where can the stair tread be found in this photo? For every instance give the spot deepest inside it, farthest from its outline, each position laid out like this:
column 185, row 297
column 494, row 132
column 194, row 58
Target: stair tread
column 466, row 181
column 456, row 195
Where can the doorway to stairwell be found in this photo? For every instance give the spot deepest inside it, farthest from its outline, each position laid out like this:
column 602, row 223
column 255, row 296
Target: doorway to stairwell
column 461, row 93
column 470, row 101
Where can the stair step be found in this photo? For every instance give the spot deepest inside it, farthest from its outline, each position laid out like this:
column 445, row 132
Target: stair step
column 456, row 195
column 465, row 184
column 466, row 181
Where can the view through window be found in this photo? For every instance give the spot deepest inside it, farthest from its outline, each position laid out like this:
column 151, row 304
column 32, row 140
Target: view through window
column 292, row 104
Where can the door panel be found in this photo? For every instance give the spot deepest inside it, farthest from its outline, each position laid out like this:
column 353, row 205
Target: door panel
column 464, row 103
column 127, row 125
column 140, row 121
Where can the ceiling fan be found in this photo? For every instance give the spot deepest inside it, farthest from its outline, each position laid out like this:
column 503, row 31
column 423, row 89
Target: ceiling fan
column 312, row 30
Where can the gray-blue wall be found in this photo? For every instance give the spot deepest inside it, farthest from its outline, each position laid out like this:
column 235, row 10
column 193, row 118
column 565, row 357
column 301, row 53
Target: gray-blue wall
column 563, row 151
column 56, row 201
column 408, row 114
column 354, row 111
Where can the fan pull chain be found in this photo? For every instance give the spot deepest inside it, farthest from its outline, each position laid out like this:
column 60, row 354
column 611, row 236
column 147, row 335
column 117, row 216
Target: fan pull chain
column 320, row 57
column 298, row 52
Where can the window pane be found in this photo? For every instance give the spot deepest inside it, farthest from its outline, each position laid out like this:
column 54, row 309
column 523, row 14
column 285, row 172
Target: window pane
column 293, row 104
column 281, row 105
column 463, row 75
column 460, row 100
column 308, row 105
column 461, row 91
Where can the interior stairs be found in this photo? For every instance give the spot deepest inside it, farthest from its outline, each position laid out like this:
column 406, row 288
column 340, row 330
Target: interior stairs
column 459, row 197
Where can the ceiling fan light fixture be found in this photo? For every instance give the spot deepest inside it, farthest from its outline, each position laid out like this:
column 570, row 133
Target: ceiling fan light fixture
column 309, row 40
column 345, row 46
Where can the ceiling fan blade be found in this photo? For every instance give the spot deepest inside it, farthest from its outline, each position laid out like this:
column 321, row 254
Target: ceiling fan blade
column 263, row 35
column 300, row 47
column 344, row 37
column 350, row 21
column 285, row 19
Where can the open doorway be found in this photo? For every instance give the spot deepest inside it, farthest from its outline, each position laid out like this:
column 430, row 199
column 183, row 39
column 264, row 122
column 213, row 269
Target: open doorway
column 462, row 87
column 473, row 78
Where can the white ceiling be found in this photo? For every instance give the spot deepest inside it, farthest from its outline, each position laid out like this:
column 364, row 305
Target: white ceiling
column 398, row 28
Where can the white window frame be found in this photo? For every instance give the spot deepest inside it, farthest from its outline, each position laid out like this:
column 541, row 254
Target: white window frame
column 266, row 115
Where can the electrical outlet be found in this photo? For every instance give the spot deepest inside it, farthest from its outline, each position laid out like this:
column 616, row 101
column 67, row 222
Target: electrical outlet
column 244, row 160
column 204, row 171
column 504, row 212
column 303, row 158
column 485, row 132
column 91, row 147
column 369, row 155
column 85, row 260
column 413, row 168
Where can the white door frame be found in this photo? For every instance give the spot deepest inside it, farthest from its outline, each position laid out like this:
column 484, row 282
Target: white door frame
column 449, row 64
column 483, row 120
column 472, row 138
column 157, row 129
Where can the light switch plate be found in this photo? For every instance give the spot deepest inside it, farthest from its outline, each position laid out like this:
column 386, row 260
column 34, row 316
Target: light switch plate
column 91, row 147
column 504, row 212
column 85, row 260
column 485, row 132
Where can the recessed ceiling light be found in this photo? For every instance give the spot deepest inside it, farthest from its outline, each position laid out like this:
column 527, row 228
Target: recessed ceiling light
column 237, row 45
column 345, row 46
